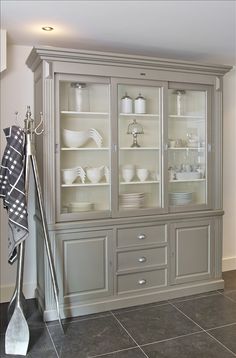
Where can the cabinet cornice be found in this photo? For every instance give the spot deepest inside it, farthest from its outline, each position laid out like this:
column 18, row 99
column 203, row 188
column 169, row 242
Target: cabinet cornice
column 39, row 54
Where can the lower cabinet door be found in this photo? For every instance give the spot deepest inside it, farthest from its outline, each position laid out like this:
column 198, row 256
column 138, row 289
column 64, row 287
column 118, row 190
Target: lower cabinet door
column 192, row 251
column 84, row 265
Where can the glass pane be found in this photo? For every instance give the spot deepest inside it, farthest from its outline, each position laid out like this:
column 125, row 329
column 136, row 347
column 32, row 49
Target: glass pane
column 139, row 147
column 85, row 147
column 187, row 132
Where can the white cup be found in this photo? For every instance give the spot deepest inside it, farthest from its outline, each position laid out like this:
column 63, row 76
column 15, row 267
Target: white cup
column 128, row 174
column 142, row 174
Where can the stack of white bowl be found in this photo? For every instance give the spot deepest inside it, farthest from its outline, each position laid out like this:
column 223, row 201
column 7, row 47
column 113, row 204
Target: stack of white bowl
column 76, row 139
column 71, row 174
column 132, row 200
column 180, row 198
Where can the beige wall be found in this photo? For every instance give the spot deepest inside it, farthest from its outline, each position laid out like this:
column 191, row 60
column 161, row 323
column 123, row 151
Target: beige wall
column 229, row 171
column 17, row 93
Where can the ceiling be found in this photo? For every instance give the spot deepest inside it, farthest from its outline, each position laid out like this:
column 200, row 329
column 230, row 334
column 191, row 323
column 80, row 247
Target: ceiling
column 189, row 30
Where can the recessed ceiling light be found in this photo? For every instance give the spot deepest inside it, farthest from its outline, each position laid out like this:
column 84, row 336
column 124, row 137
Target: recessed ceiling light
column 47, row 28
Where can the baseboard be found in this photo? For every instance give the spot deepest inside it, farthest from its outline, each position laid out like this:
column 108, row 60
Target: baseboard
column 6, row 291
column 228, row 264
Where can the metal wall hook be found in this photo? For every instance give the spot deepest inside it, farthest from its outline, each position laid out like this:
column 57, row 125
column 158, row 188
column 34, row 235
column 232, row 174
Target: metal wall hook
column 41, row 123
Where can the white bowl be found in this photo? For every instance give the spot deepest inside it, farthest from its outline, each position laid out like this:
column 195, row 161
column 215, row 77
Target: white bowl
column 95, row 174
column 75, row 139
column 69, row 175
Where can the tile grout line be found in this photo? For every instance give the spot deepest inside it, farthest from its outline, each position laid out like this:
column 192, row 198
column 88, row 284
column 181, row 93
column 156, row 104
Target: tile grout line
column 192, row 298
column 140, row 308
column 79, row 320
column 229, row 298
column 170, row 339
column 204, row 330
column 224, row 325
column 118, row 351
column 129, row 334
column 52, row 340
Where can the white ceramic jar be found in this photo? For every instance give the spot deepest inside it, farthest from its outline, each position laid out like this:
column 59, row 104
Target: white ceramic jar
column 126, row 104
column 140, row 104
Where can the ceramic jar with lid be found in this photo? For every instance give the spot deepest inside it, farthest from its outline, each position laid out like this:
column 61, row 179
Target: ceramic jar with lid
column 126, row 104
column 140, row 104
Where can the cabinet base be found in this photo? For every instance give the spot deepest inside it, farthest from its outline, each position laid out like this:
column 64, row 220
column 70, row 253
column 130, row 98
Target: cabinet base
column 117, row 302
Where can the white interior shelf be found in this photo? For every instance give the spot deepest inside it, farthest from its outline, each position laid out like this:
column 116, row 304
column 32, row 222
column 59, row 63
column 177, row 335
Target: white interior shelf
column 91, row 114
column 139, row 148
column 186, row 116
column 83, row 185
column 140, row 182
column 139, row 115
column 79, row 149
column 186, row 180
column 186, row 148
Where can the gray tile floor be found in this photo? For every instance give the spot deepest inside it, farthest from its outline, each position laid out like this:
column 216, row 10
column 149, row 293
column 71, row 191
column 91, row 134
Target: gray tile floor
column 200, row 326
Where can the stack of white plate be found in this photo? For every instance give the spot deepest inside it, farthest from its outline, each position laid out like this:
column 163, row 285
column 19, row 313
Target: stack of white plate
column 96, row 136
column 74, row 207
column 132, row 200
column 180, row 198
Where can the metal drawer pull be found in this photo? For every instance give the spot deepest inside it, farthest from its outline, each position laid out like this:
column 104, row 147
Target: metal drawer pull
column 141, row 237
column 142, row 282
column 142, row 259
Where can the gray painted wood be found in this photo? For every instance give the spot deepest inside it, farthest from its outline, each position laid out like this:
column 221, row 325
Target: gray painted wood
column 109, row 241
column 192, row 248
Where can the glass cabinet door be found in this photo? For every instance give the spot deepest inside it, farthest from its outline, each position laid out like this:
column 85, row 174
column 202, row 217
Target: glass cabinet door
column 188, row 132
column 139, row 114
column 83, row 134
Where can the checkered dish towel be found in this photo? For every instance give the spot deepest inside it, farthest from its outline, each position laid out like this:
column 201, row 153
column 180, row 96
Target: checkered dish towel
column 12, row 188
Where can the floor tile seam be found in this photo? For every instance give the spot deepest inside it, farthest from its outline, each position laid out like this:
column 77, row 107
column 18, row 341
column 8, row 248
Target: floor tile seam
column 130, row 335
column 229, row 298
column 205, row 331
column 52, row 342
column 139, row 309
column 193, row 298
column 78, row 320
column 220, row 343
column 117, row 351
column 223, row 326
column 170, row 339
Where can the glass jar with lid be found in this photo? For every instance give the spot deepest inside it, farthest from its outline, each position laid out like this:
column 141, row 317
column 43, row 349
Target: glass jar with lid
column 78, row 97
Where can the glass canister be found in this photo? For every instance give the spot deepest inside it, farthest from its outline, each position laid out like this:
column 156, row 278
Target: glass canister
column 140, row 104
column 78, row 97
column 126, row 104
column 180, row 102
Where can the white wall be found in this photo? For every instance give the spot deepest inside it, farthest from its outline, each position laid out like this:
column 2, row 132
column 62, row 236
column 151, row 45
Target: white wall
column 229, row 171
column 16, row 94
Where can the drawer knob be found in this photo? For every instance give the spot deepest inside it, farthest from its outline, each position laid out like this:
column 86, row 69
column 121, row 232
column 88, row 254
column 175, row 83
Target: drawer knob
column 142, row 259
column 141, row 237
column 142, row 282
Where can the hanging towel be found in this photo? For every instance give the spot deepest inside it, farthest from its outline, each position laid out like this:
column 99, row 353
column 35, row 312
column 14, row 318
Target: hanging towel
column 12, row 188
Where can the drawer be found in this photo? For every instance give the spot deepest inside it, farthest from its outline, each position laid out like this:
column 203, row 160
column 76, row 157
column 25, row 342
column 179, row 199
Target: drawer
column 141, row 258
column 141, row 280
column 141, row 235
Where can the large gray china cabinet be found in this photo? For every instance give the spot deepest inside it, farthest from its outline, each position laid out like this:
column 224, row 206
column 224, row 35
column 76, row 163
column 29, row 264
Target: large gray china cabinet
column 131, row 170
